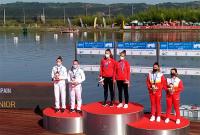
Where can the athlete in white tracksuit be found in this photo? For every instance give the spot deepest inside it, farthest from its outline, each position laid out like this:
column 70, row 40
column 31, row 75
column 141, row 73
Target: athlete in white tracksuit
column 75, row 77
column 59, row 75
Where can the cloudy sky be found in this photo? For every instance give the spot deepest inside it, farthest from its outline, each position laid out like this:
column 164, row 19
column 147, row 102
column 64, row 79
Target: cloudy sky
column 100, row 1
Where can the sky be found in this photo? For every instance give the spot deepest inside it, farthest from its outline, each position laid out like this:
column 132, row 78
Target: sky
column 100, row 1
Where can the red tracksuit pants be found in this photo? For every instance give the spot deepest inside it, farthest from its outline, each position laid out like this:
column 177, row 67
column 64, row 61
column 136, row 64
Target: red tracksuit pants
column 155, row 103
column 173, row 100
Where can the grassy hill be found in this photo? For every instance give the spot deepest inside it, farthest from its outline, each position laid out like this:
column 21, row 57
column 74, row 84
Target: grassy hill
column 56, row 10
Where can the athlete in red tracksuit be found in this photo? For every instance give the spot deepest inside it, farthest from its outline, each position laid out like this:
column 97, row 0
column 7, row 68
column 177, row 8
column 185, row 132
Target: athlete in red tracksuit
column 107, row 75
column 123, row 79
column 155, row 82
column 173, row 87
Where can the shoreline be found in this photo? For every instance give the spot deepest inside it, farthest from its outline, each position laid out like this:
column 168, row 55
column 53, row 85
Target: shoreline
column 89, row 29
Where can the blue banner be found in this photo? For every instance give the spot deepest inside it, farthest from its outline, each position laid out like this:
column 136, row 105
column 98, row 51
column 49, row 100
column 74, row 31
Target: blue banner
column 80, row 44
column 136, row 45
column 99, row 45
column 142, row 45
column 180, row 45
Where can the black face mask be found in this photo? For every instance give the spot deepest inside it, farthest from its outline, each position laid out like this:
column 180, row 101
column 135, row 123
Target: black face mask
column 173, row 74
column 155, row 70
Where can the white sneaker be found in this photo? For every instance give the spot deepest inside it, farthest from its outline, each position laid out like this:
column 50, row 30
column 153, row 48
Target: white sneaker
column 125, row 106
column 167, row 120
column 152, row 118
column 158, row 119
column 178, row 121
column 119, row 105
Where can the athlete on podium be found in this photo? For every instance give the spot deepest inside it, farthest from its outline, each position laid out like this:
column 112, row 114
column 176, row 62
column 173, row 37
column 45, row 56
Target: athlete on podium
column 155, row 82
column 59, row 75
column 173, row 87
column 123, row 79
column 75, row 78
column 106, row 76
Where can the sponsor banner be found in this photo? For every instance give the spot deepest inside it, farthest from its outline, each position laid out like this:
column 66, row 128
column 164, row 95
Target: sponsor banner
column 99, row 45
column 137, row 48
column 179, row 48
column 136, row 52
column 137, row 45
column 140, row 69
column 141, row 48
column 94, row 47
column 179, row 53
column 99, row 51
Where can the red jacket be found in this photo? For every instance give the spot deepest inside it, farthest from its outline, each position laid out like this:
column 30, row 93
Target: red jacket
column 158, row 79
column 107, row 68
column 122, row 70
column 178, row 85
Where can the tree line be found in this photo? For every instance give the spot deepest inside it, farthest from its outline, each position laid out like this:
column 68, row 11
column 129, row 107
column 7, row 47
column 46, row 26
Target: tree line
column 54, row 13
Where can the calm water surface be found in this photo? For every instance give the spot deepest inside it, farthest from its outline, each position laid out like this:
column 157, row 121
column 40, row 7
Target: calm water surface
column 29, row 60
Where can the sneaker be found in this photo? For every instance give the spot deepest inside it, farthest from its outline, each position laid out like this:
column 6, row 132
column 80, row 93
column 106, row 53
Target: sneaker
column 57, row 110
column 72, row 110
column 178, row 121
column 153, row 118
column 125, row 106
column 120, row 105
column 111, row 104
column 167, row 120
column 62, row 110
column 158, row 119
column 104, row 104
column 79, row 111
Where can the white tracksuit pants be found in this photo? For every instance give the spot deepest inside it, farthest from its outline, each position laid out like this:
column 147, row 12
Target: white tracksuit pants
column 75, row 94
column 60, row 91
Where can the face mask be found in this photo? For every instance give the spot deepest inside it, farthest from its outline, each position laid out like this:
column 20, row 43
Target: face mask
column 107, row 55
column 121, row 58
column 75, row 66
column 58, row 64
column 155, row 70
column 173, row 74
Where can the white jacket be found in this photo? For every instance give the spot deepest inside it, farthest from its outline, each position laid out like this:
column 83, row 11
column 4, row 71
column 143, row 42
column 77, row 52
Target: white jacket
column 62, row 72
column 76, row 75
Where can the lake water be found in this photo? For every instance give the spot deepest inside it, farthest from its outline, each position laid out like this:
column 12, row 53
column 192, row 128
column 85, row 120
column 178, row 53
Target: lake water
column 29, row 60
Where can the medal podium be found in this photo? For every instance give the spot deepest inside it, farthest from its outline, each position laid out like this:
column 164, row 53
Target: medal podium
column 65, row 123
column 107, row 120
column 145, row 127
column 98, row 120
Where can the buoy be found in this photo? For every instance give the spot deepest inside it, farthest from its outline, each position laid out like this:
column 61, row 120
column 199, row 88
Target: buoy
column 55, row 36
column 37, row 37
column 85, row 34
column 15, row 40
column 71, row 35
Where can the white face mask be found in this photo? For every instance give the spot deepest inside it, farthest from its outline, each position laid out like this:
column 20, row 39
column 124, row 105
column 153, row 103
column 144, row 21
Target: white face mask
column 59, row 64
column 107, row 55
column 75, row 66
column 121, row 58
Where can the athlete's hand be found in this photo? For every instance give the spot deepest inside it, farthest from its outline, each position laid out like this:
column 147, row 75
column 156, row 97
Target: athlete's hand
column 76, row 83
column 127, row 82
column 114, row 81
